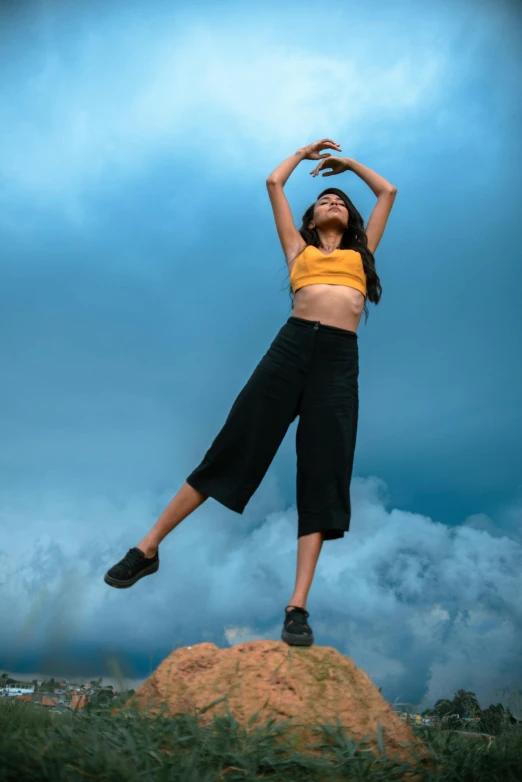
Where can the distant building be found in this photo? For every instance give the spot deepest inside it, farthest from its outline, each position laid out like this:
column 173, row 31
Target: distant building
column 50, row 700
column 11, row 692
column 79, row 701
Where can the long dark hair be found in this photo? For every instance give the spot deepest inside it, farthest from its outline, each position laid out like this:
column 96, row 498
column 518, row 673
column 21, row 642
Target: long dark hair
column 354, row 238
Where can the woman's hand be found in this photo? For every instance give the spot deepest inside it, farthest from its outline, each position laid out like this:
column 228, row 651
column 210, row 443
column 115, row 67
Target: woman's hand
column 337, row 164
column 311, row 152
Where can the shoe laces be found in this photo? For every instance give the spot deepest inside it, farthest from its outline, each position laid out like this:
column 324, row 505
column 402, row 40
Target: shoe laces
column 297, row 611
column 132, row 558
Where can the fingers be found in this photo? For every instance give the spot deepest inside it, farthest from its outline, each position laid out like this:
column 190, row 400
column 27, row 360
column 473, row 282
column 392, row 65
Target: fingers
column 325, row 164
column 315, row 172
column 331, row 143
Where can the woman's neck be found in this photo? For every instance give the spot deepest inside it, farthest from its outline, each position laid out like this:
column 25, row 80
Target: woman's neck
column 329, row 240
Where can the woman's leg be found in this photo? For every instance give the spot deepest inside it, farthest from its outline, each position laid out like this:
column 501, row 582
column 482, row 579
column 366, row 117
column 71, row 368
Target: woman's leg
column 181, row 505
column 241, row 453
column 325, row 444
column 143, row 560
column 326, row 437
column 308, row 550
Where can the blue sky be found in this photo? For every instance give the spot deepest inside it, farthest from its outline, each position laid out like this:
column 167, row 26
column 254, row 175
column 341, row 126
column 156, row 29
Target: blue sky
column 142, row 280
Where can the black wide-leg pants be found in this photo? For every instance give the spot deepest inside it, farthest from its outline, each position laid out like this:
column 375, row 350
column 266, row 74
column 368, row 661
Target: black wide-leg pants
column 310, row 370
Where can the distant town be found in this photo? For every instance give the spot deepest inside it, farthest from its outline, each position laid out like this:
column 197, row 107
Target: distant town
column 61, row 695
column 64, row 695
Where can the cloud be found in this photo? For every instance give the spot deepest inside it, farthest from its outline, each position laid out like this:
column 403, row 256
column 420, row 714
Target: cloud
column 99, row 98
column 107, row 103
column 399, row 591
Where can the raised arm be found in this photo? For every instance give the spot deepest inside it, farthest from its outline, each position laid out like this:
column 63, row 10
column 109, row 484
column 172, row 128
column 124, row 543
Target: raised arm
column 290, row 238
column 384, row 191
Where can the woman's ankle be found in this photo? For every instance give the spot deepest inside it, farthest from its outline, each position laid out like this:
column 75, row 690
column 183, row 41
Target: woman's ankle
column 148, row 549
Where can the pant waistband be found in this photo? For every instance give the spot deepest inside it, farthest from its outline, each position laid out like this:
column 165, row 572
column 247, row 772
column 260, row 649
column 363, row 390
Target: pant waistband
column 318, row 326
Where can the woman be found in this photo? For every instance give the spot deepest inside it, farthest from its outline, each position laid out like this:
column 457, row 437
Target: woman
column 311, row 369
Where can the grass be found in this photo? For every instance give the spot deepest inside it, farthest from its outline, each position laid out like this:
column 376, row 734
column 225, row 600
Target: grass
column 130, row 746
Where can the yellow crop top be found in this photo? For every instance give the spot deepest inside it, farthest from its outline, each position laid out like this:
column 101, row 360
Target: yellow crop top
column 340, row 267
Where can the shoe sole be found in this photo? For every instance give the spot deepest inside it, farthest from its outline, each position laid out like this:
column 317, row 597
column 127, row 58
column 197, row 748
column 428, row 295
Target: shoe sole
column 148, row 571
column 297, row 640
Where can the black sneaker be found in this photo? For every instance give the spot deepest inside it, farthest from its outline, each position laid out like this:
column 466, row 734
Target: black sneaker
column 296, row 630
column 131, row 568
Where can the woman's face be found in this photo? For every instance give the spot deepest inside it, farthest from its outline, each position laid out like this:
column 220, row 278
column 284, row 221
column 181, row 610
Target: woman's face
column 330, row 212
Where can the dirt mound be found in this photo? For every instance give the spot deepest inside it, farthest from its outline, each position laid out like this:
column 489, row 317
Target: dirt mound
column 311, row 685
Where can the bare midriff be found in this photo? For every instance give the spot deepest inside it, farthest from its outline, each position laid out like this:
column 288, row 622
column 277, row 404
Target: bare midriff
column 332, row 305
